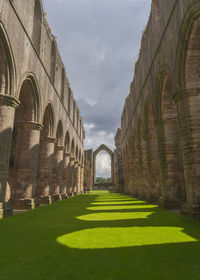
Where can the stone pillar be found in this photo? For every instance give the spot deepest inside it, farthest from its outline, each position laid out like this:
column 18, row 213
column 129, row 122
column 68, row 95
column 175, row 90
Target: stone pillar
column 26, row 165
column 66, row 175
column 173, row 188
column 45, row 171
column 188, row 107
column 71, row 176
column 58, row 172
column 8, row 104
column 79, row 178
column 76, row 177
column 82, row 178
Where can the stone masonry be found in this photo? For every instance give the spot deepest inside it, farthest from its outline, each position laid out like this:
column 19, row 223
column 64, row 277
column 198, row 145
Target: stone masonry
column 160, row 123
column 41, row 130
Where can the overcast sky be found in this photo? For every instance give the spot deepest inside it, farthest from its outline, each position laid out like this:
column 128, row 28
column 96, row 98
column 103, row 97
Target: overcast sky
column 99, row 42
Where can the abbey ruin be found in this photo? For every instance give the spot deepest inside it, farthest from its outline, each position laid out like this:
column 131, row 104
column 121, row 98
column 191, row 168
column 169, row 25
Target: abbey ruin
column 41, row 130
column 157, row 154
column 160, row 123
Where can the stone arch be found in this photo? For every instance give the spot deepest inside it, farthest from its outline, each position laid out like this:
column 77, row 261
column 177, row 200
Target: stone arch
column 53, row 61
column 46, row 155
column 76, row 154
column 173, row 191
column 25, row 145
column 153, row 162
column 58, row 163
column 62, row 85
column 37, row 25
column 59, row 133
column 7, row 66
column 108, row 150
column 188, row 100
column 67, row 142
column 72, row 150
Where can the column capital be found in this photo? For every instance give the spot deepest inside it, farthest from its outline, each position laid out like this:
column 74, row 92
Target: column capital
column 67, row 154
column 60, row 148
column 72, row 158
column 30, row 125
column 9, row 100
column 186, row 92
column 51, row 139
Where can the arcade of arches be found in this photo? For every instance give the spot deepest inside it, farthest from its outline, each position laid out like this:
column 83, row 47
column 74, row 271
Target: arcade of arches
column 157, row 154
column 41, row 130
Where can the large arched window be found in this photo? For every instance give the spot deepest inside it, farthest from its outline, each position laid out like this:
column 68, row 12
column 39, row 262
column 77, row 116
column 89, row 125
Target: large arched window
column 37, row 25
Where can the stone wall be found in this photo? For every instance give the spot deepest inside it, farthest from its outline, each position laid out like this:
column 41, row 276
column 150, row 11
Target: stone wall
column 161, row 115
column 41, row 130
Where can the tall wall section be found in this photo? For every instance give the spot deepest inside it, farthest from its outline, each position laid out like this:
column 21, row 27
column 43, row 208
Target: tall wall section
column 160, row 122
column 41, row 129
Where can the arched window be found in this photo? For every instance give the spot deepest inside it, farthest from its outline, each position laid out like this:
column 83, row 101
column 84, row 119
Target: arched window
column 37, row 25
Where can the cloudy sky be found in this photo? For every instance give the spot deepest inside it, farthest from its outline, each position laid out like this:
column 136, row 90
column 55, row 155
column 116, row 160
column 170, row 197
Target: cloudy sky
column 99, row 42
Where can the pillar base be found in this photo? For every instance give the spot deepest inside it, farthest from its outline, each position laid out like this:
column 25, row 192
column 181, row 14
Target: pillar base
column 5, row 210
column 169, row 204
column 64, row 196
column 71, row 194
column 45, row 200
column 152, row 199
column 25, row 204
column 57, row 197
column 191, row 211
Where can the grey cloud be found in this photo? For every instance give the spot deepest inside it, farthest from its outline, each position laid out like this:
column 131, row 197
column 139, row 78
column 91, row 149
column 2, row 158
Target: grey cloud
column 99, row 42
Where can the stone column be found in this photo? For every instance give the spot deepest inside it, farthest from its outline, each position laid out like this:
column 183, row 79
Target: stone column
column 26, row 165
column 188, row 107
column 8, row 104
column 71, row 176
column 45, row 171
column 82, row 179
column 79, row 178
column 173, row 189
column 58, row 171
column 76, row 174
column 66, row 175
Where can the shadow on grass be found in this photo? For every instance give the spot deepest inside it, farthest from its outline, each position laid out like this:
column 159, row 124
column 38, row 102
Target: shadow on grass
column 29, row 247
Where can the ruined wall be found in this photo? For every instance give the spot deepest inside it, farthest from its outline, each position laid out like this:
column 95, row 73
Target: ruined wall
column 118, row 163
column 41, row 130
column 88, row 165
column 161, row 115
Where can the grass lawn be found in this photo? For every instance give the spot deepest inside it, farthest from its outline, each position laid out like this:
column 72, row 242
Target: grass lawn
column 99, row 236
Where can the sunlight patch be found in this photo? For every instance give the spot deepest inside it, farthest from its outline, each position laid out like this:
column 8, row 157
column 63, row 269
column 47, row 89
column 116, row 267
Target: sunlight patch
column 119, row 202
column 114, row 216
column 121, row 207
column 99, row 238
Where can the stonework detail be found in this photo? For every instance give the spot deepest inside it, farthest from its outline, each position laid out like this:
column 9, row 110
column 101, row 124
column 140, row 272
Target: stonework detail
column 38, row 132
column 160, row 135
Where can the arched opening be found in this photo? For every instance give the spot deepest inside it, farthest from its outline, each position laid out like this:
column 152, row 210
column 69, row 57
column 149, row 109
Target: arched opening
column 7, row 111
column 53, row 61
column 103, row 168
column 62, row 85
column 189, row 108
column 173, row 191
column 37, row 25
column 5, row 75
column 153, row 157
column 23, row 169
column 46, row 155
column 58, row 163
column 66, row 165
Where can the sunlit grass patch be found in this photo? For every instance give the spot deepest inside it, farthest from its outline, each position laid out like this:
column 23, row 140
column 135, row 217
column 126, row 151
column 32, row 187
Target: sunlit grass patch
column 98, row 238
column 120, row 207
column 114, row 216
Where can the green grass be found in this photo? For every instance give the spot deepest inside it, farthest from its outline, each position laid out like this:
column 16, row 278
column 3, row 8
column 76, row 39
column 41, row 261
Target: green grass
column 99, row 236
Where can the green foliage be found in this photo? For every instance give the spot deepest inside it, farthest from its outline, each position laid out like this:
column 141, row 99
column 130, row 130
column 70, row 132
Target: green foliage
column 101, row 180
column 99, row 236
